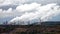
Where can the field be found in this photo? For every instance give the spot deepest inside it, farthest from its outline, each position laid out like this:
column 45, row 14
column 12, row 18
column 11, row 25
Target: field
column 29, row 29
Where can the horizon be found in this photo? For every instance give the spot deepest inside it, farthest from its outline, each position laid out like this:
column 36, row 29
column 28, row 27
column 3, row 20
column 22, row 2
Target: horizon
column 29, row 11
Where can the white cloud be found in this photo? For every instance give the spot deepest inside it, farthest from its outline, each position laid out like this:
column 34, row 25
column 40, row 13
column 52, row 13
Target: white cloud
column 12, row 2
column 27, row 7
column 1, row 1
column 43, row 13
column 7, row 13
column 19, row 2
column 21, row 9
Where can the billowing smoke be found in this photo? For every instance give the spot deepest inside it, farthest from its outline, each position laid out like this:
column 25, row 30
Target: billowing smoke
column 28, row 11
column 35, row 13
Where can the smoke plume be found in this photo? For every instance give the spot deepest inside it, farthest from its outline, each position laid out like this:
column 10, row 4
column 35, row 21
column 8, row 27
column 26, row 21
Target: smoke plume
column 35, row 13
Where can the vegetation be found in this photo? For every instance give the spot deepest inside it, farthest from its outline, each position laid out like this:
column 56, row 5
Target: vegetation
column 29, row 29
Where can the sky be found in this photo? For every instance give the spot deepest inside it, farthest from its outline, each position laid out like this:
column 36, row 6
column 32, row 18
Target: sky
column 29, row 11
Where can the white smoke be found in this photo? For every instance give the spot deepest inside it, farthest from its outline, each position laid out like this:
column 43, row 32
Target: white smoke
column 40, row 13
column 27, row 7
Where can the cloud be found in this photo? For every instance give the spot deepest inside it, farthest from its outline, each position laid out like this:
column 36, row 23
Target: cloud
column 4, row 13
column 19, row 2
column 21, row 9
column 12, row 2
column 1, row 1
column 41, row 13
column 27, row 7
column 18, row 8
column 7, row 13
